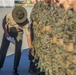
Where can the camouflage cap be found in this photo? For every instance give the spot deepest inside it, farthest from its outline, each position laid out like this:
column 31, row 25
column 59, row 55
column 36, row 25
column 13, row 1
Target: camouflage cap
column 19, row 14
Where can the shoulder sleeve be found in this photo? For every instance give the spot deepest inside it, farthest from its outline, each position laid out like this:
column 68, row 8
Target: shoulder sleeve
column 4, row 22
column 34, row 12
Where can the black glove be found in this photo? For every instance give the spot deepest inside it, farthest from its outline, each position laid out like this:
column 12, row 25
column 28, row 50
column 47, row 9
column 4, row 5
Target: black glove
column 31, row 57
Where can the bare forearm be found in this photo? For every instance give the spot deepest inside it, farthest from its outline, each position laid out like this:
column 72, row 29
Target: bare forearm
column 29, row 41
column 27, row 31
column 5, row 29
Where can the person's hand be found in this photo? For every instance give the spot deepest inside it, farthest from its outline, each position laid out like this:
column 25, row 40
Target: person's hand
column 30, row 51
column 6, row 34
column 30, row 54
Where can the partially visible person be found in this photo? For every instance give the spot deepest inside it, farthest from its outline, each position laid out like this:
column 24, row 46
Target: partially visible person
column 67, row 14
column 56, row 48
column 71, row 33
column 39, row 21
column 72, row 3
column 33, row 19
column 69, row 38
column 13, row 24
column 35, row 1
column 64, row 3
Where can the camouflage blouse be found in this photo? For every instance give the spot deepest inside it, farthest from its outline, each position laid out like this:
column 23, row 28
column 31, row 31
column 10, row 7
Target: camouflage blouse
column 56, row 22
column 69, row 28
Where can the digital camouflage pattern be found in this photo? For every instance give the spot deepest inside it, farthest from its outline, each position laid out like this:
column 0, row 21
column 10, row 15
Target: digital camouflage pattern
column 40, row 34
column 57, row 40
column 54, row 31
column 34, row 23
column 70, row 38
column 69, row 26
column 35, row 18
column 45, row 38
column 57, row 15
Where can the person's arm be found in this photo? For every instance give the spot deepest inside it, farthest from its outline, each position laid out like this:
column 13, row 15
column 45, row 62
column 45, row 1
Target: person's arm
column 6, row 32
column 5, row 26
column 28, row 35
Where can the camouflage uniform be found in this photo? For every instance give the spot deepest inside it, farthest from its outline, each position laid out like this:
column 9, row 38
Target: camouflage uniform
column 48, row 28
column 57, row 34
column 35, row 18
column 40, row 32
column 65, row 63
column 45, row 38
column 15, row 31
column 70, row 38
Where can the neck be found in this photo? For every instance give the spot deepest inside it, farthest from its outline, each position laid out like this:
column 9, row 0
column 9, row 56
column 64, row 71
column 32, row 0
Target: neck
column 46, row 3
column 52, row 1
column 66, row 6
column 58, row 4
column 74, row 6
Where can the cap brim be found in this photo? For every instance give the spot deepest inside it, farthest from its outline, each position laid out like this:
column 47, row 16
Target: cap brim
column 15, row 10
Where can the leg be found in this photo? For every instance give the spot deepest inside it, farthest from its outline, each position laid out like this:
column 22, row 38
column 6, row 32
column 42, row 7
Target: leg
column 17, row 56
column 3, row 50
column 17, row 53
